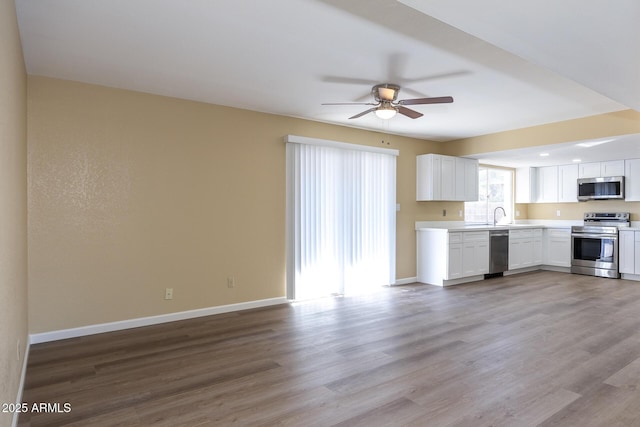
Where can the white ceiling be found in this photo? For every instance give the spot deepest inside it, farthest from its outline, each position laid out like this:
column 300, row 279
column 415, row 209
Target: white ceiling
column 542, row 61
column 593, row 42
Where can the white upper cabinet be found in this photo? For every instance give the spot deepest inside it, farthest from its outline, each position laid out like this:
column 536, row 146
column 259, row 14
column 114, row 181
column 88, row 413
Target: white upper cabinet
column 428, row 174
column 526, row 179
column 466, row 179
column 547, row 184
column 448, row 178
column 441, row 177
column 599, row 169
column 612, row 168
column 589, row 170
column 632, row 180
column 568, row 183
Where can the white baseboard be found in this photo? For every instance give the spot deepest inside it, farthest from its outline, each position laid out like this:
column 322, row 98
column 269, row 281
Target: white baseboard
column 556, row 268
column 23, row 375
column 405, row 281
column 521, row 270
column 147, row 321
column 462, row 280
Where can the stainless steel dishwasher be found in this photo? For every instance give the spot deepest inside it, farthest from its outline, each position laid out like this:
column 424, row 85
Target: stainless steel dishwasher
column 498, row 251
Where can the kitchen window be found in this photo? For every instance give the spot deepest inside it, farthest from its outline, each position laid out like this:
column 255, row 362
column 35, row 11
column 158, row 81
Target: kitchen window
column 495, row 189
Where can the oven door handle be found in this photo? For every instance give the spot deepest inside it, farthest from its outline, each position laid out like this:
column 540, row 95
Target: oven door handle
column 595, row 236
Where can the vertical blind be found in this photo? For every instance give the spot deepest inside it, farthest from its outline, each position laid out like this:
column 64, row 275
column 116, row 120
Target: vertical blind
column 341, row 217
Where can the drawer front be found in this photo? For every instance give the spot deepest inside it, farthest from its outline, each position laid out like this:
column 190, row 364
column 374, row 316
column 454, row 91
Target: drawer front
column 559, row 234
column 475, row 236
column 520, row 234
column 455, row 237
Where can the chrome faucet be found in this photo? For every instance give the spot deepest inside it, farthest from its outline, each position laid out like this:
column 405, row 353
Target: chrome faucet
column 504, row 213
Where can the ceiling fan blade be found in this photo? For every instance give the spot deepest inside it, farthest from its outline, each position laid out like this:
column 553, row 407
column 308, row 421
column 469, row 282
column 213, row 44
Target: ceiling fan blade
column 363, row 98
column 436, row 100
column 409, row 112
column 350, row 103
column 348, row 80
column 363, row 113
column 437, row 76
column 414, row 93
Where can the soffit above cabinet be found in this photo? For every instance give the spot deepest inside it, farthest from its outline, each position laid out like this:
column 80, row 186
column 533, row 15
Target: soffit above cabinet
column 603, row 149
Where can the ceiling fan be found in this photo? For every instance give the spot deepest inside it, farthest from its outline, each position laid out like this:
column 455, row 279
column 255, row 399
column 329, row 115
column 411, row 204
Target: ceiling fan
column 386, row 105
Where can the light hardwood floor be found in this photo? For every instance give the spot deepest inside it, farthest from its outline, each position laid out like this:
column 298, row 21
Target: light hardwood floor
column 541, row 348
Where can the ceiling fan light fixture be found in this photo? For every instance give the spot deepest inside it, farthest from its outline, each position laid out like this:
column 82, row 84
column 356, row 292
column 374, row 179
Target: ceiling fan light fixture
column 387, row 93
column 386, row 112
column 386, row 105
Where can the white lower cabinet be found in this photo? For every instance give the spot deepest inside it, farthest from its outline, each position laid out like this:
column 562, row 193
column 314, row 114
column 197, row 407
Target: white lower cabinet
column 557, row 247
column 626, row 252
column 454, row 267
column 636, row 253
column 475, row 253
column 443, row 257
column 629, row 253
column 537, row 249
column 525, row 248
column 447, row 258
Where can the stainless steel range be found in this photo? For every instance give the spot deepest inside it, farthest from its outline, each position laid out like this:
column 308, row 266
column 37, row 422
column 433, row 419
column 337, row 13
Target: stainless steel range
column 594, row 245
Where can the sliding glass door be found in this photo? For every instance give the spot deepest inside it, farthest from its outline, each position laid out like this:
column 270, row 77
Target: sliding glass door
column 341, row 218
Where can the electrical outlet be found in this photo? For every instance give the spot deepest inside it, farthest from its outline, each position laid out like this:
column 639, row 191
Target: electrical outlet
column 231, row 282
column 558, row 212
column 444, row 212
column 168, row 293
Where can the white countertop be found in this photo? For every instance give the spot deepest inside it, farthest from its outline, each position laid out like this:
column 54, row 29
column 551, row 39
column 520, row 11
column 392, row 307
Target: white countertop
column 482, row 227
column 462, row 226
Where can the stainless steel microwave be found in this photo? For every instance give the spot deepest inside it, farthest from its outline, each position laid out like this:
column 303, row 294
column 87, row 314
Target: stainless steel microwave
column 610, row 187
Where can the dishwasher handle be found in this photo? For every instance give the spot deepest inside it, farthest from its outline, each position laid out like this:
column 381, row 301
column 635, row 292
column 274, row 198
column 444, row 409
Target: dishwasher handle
column 498, row 233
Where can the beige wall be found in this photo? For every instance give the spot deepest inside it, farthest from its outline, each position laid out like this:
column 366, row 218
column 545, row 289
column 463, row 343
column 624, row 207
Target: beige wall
column 521, row 211
column 575, row 211
column 13, row 203
column 130, row 193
